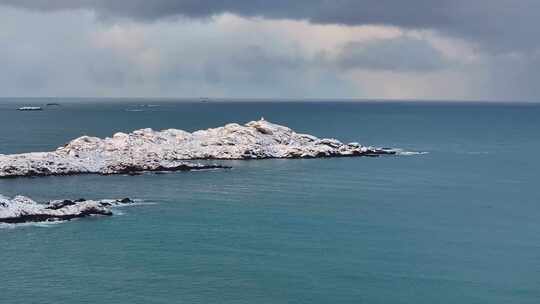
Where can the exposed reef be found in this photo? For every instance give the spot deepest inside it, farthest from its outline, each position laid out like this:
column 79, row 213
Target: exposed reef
column 170, row 150
column 22, row 209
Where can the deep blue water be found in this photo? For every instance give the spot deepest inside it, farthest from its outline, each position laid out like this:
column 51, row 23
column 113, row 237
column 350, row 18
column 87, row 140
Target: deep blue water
column 458, row 225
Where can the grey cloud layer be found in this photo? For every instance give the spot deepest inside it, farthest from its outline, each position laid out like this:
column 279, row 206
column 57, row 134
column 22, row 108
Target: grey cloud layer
column 401, row 54
column 70, row 54
column 497, row 24
column 60, row 52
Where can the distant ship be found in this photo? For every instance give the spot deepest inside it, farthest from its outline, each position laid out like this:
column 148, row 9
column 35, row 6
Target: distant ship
column 52, row 104
column 204, row 99
column 30, row 109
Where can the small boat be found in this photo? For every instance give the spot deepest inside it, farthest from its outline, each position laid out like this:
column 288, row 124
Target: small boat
column 30, row 109
column 52, row 104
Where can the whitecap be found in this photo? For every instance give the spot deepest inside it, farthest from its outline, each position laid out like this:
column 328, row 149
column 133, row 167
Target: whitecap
column 33, row 224
column 137, row 203
column 402, row 152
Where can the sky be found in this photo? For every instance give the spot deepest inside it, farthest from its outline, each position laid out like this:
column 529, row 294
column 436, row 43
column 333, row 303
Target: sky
column 361, row 49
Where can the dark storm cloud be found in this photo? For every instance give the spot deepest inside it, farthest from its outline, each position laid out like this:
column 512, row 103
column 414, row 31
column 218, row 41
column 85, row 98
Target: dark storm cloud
column 496, row 24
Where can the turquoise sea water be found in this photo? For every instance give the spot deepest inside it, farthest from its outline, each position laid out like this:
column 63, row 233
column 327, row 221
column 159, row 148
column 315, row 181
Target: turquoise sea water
column 457, row 225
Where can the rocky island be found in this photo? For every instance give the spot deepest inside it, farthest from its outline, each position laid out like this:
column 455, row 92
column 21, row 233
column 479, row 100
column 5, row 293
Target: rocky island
column 22, row 209
column 175, row 150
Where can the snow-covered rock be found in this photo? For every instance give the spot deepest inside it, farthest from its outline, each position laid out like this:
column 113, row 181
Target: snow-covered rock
column 168, row 150
column 21, row 209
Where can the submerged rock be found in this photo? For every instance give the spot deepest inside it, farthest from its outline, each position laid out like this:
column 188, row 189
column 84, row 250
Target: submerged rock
column 22, row 209
column 168, row 150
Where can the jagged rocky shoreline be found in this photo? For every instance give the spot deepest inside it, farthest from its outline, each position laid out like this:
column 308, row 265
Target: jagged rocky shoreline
column 175, row 150
column 21, row 209
column 149, row 150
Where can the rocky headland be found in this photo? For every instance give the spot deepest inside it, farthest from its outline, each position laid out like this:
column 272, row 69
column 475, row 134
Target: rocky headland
column 177, row 150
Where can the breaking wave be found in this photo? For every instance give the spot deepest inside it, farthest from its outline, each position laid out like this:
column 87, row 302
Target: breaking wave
column 35, row 224
column 402, row 152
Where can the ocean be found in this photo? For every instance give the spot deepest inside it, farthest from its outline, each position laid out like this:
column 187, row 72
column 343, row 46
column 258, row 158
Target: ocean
column 456, row 224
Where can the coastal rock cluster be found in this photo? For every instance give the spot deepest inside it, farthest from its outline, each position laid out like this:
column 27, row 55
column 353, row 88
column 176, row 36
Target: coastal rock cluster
column 149, row 150
column 21, row 209
column 172, row 149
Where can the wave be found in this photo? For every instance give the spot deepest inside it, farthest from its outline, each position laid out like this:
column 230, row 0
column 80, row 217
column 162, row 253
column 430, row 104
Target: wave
column 137, row 203
column 402, row 152
column 116, row 210
column 34, row 224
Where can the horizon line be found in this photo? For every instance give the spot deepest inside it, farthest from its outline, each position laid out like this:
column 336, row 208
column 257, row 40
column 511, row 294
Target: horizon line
column 279, row 99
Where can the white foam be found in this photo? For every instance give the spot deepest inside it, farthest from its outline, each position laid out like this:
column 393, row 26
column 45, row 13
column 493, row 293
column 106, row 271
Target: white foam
column 33, row 224
column 401, row 152
column 140, row 203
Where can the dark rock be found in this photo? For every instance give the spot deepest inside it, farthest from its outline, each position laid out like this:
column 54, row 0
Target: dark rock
column 126, row 201
column 35, row 218
column 60, row 205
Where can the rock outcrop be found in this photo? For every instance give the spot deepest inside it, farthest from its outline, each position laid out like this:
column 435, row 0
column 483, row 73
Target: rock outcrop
column 169, row 150
column 24, row 210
